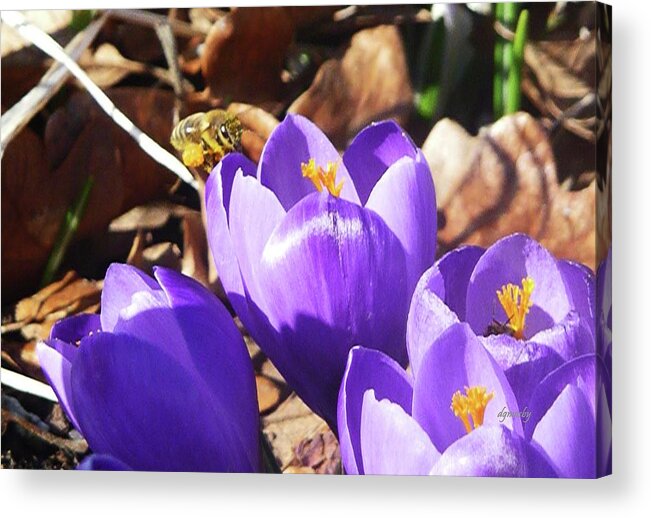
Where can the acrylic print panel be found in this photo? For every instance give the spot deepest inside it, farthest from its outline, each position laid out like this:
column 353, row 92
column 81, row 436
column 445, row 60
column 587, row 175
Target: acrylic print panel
column 342, row 240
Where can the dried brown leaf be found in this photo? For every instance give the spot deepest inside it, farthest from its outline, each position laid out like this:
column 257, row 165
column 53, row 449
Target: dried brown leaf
column 299, row 438
column 370, row 82
column 244, row 53
column 503, row 181
column 41, row 179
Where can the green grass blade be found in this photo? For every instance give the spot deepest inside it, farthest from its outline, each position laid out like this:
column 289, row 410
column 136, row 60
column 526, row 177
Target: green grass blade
column 514, row 82
column 498, row 74
column 66, row 233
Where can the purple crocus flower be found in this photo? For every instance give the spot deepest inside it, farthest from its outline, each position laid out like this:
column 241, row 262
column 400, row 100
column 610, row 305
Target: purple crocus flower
column 459, row 415
column 531, row 311
column 159, row 381
column 319, row 253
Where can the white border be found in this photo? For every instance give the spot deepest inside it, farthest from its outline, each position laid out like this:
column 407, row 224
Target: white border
column 626, row 493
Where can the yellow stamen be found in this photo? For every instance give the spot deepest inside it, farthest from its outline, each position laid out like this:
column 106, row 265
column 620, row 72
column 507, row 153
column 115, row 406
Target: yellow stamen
column 460, row 408
column 321, row 178
column 473, row 405
column 477, row 401
column 516, row 303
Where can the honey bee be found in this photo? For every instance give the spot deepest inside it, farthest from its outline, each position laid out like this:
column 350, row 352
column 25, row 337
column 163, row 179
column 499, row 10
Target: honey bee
column 204, row 138
column 498, row 328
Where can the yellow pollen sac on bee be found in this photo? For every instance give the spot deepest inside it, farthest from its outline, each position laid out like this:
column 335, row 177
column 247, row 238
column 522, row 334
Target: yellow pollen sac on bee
column 516, row 303
column 471, row 405
column 321, row 178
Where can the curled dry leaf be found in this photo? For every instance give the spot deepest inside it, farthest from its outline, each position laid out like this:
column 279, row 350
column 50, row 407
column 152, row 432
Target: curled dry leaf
column 504, row 181
column 34, row 316
column 41, row 178
column 300, row 439
column 560, row 79
column 258, row 125
column 370, row 82
column 244, row 53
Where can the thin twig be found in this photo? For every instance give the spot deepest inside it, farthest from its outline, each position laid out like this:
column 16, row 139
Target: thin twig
column 43, row 41
column 28, row 385
column 167, row 41
column 19, row 115
column 180, row 28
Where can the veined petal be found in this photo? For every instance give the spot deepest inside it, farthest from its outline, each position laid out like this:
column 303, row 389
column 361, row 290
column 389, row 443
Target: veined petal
column 452, row 273
column 366, row 369
column 488, row 451
column 372, row 151
column 336, row 276
column 428, row 317
column 534, row 362
column 404, row 198
column 580, row 285
column 136, row 403
column 74, row 328
column 567, row 435
column 218, row 196
column 216, row 351
column 121, row 283
column 457, row 360
column 55, row 358
column 294, row 142
column 392, row 443
column 255, row 212
column 570, row 338
column 510, row 260
column 585, row 373
column 99, row 462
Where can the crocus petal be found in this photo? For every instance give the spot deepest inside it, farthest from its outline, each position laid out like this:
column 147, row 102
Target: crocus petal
column 294, row 142
column 148, row 317
column 457, row 360
column 218, row 195
column 404, row 198
column 254, row 213
column 584, row 372
column 372, row 151
column 580, row 286
column 392, row 443
column 55, row 358
column 366, row 369
column 99, row 462
column 336, row 276
column 604, row 434
column 510, row 260
column 217, row 352
column 74, row 328
column 534, row 362
column 488, row 451
column 428, row 317
column 136, row 403
column 451, row 275
column 538, row 464
column 604, row 289
column 567, row 435
column 570, row 338
column 120, row 284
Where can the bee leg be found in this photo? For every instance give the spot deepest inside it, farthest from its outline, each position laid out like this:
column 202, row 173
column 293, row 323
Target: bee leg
column 193, row 155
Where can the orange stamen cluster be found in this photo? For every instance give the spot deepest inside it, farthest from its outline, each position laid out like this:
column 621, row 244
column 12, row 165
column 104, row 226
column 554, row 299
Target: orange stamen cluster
column 516, row 303
column 472, row 405
column 321, row 178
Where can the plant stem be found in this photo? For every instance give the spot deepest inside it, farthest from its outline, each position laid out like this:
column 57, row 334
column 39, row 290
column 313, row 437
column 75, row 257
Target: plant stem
column 66, row 233
column 514, row 95
column 268, row 458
